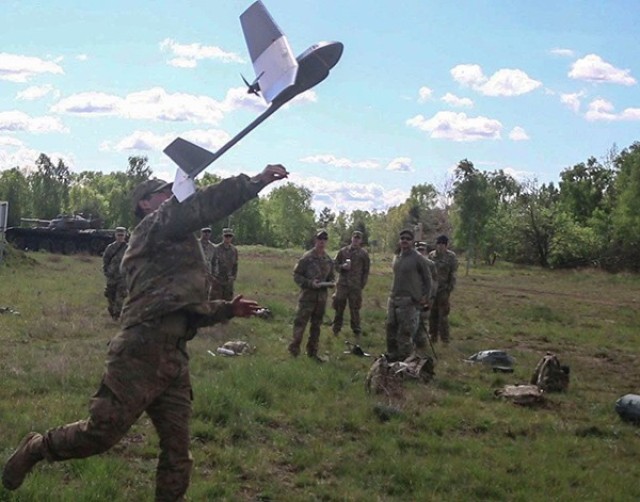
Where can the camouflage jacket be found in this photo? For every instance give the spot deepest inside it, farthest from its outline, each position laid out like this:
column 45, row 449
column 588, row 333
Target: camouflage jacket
column 225, row 263
column 312, row 267
column 111, row 259
column 411, row 276
column 164, row 264
column 209, row 250
column 446, row 266
column 358, row 274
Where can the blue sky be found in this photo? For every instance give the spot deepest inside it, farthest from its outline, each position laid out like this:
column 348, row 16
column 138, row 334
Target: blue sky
column 529, row 87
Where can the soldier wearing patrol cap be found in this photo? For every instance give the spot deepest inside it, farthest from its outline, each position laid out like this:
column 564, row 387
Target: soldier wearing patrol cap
column 352, row 263
column 209, row 251
column 410, row 291
column 420, row 338
column 147, row 364
column 314, row 274
column 225, row 265
column 116, row 288
column 447, row 266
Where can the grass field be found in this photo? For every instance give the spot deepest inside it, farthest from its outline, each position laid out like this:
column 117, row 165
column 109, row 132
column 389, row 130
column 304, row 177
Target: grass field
column 269, row 427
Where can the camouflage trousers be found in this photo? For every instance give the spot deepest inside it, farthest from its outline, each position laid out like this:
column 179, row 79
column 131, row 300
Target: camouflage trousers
column 311, row 308
column 147, row 371
column 352, row 296
column 420, row 336
column 221, row 290
column 402, row 325
column 115, row 292
column 439, row 317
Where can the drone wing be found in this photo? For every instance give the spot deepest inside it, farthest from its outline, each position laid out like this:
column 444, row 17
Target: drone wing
column 272, row 58
column 191, row 160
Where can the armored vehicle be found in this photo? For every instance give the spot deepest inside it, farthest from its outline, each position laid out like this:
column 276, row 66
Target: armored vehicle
column 66, row 234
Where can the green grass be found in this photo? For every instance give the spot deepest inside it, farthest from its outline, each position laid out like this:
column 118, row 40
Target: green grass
column 270, row 427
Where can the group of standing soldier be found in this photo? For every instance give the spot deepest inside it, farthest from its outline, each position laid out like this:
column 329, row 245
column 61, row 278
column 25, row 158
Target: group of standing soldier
column 420, row 290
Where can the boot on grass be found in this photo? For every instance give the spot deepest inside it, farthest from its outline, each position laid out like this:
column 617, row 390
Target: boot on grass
column 30, row 451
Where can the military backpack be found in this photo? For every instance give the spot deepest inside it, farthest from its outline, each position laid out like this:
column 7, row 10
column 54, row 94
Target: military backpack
column 550, row 375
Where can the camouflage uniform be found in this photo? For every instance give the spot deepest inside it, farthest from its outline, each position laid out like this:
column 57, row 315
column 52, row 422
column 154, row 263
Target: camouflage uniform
column 116, row 289
column 312, row 301
column 411, row 284
column 209, row 250
column 446, row 266
column 349, row 288
column 420, row 338
column 225, row 268
column 147, row 364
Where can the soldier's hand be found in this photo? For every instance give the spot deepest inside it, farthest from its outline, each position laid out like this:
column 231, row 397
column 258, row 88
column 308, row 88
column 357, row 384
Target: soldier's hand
column 273, row 172
column 243, row 308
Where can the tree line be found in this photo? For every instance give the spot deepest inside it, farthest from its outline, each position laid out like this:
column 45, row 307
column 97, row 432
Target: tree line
column 591, row 217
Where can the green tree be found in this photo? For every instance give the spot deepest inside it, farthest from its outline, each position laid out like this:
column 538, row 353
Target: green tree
column 584, row 188
column 475, row 201
column 14, row 188
column 626, row 214
column 291, row 220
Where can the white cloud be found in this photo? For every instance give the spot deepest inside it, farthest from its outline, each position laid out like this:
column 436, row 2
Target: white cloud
column 16, row 68
column 453, row 100
column 25, row 158
column 157, row 104
column 151, row 104
column 504, row 82
column 572, row 100
column 469, row 75
column 20, row 121
column 518, row 134
column 342, row 196
column 400, row 164
column 509, row 82
column 211, row 139
column 340, row 162
column 82, row 57
column 593, row 68
column 457, row 126
column 10, row 141
column 562, row 52
column 424, row 94
column 601, row 109
column 34, row 92
column 188, row 55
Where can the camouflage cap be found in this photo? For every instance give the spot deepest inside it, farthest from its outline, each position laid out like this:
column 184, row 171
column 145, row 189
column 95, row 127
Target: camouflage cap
column 406, row 231
column 146, row 188
column 356, row 233
column 205, row 229
column 227, row 231
column 321, row 232
column 121, row 230
column 421, row 246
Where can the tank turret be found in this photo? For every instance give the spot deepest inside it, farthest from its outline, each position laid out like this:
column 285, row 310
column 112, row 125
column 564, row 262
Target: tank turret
column 66, row 234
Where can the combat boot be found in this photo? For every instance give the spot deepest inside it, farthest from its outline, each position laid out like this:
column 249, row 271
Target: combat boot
column 29, row 452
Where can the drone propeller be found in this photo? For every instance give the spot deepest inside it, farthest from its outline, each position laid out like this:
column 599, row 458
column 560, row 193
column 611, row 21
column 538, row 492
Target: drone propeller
column 254, row 87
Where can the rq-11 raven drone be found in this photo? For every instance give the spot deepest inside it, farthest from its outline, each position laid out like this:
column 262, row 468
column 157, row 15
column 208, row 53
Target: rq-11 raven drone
column 280, row 77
